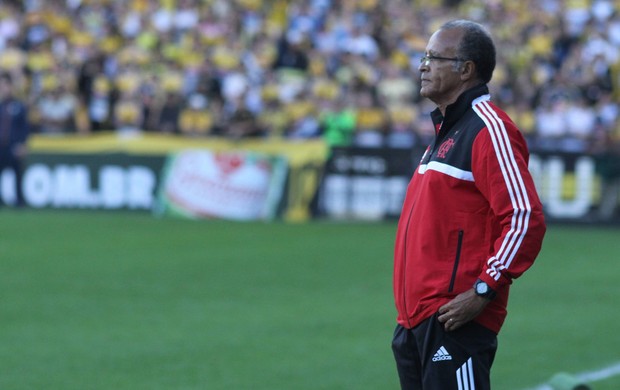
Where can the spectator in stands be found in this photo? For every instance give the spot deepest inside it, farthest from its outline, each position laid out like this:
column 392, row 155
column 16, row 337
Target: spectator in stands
column 274, row 118
column 10, row 28
column 370, row 118
column 88, row 73
column 550, row 122
column 580, row 125
column 242, row 123
column 196, row 119
column 222, row 49
column 361, row 42
column 168, row 113
column 339, row 123
column 402, row 134
column 302, row 113
column 14, row 133
column 100, row 104
column 128, row 113
column 56, row 108
column 291, row 53
column 148, row 96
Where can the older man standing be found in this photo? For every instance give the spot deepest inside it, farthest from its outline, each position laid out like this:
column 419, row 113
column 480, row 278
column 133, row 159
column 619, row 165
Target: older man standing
column 471, row 221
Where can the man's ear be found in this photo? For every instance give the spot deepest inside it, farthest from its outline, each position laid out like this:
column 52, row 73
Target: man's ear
column 468, row 71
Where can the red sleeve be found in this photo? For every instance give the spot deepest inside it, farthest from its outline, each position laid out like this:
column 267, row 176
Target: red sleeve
column 500, row 169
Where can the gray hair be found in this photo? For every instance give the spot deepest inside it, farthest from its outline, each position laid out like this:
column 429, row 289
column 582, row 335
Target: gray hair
column 476, row 45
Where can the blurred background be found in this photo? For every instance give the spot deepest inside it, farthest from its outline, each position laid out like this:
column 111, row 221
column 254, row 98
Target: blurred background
column 158, row 76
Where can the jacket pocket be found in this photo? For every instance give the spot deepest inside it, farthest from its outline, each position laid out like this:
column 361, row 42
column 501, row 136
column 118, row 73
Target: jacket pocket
column 457, row 258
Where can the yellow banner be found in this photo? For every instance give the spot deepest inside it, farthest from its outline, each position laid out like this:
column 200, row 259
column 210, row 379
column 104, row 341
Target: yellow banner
column 305, row 158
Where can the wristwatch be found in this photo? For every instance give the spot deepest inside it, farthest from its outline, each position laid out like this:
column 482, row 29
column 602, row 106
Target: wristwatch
column 482, row 289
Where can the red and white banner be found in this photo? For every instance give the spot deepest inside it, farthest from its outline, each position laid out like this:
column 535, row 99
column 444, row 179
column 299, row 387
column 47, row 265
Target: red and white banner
column 227, row 185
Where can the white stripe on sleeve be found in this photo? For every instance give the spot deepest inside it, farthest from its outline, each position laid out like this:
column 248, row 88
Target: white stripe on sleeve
column 514, row 185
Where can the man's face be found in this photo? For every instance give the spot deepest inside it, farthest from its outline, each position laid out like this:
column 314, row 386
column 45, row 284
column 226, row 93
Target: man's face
column 440, row 79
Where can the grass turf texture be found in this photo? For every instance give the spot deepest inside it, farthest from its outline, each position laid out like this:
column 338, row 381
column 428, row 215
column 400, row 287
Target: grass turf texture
column 93, row 300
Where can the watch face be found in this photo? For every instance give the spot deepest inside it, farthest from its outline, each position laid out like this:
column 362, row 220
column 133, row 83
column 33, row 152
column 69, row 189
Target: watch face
column 482, row 288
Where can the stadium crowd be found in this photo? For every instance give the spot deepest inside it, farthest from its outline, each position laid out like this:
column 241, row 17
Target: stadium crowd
column 345, row 70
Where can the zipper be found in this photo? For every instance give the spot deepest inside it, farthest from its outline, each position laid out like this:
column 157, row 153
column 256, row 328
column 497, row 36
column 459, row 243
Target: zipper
column 439, row 136
column 459, row 244
column 404, row 273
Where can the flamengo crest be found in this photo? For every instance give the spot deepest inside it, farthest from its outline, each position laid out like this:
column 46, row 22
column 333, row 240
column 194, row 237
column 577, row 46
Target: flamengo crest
column 445, row 148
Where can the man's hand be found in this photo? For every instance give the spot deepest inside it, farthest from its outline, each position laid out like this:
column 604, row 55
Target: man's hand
column 462, row 309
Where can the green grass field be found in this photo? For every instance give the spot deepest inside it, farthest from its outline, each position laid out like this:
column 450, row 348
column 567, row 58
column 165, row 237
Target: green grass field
column 94, row 300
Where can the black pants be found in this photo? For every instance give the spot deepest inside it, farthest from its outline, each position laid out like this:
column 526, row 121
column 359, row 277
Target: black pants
column 429, row 358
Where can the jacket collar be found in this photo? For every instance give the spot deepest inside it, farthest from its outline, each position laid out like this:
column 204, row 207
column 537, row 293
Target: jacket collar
column 456, row 110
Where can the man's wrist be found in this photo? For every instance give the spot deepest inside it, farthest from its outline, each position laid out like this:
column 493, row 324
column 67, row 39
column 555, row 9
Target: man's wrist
column 482, row 289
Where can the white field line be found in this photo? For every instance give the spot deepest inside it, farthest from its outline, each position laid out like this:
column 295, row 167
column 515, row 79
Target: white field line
column 599, row 375
column 589, row 376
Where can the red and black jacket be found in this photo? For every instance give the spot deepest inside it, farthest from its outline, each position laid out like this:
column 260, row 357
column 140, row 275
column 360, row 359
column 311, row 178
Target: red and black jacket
column 471, row 211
